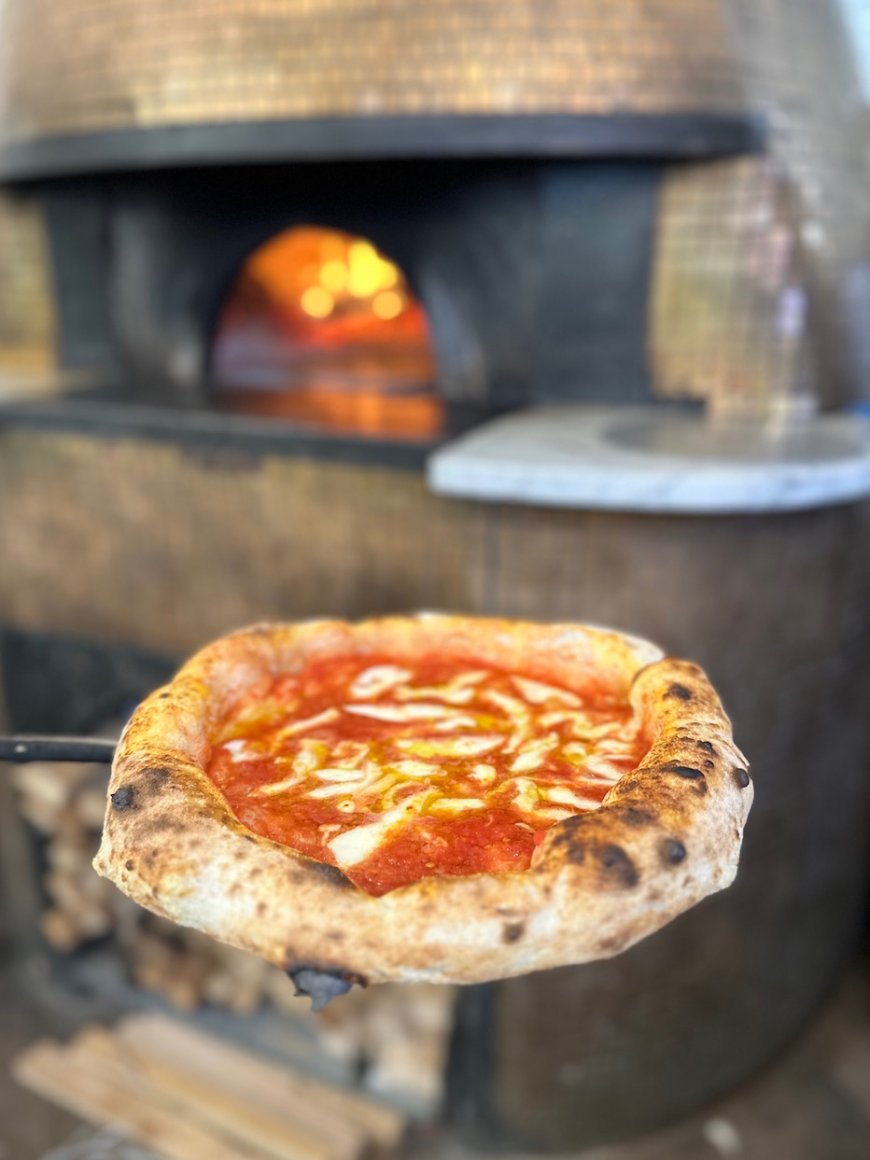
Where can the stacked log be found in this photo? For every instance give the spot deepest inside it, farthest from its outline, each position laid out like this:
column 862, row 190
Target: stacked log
column 65, row 804
column 395, row 1037
column 191, row 1096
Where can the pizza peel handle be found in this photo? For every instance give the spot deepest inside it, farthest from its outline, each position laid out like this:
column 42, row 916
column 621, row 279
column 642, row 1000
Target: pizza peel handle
column 35, row 747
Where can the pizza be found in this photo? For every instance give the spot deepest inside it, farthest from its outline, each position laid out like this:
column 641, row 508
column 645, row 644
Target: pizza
column 426, row 798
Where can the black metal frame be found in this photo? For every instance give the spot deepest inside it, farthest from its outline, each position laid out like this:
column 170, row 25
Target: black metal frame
column 107, row 414
column 662, row 136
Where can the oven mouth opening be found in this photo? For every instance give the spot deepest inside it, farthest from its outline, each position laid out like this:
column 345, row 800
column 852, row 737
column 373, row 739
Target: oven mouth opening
column 320, row 329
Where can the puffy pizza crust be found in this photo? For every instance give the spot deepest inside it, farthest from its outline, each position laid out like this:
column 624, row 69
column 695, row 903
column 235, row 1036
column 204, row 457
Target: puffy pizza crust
column 667, row 835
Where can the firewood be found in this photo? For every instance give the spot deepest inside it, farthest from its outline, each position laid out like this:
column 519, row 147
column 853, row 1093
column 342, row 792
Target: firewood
column 184, row 985
column 51, row 784
column 127, row 917
column 152, row 961
column 90, row 805
column 70, row 856
column 59, row 931
column 89, row 917
column 261, row 1082
column 246, row 997
column 105, row 1094
column 277, row 1131
column 42, row 815
column 219, row 987
column 409, row 1068
column 93, row 887
column 164, row 970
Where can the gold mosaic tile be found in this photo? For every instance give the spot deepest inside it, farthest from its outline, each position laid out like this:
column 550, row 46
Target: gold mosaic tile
column 27, row 322
column 85, row 65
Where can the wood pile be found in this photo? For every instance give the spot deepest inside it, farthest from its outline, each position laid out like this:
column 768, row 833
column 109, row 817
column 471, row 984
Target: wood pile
column 65, row 803
column 190, row 1096
column 395, row 1037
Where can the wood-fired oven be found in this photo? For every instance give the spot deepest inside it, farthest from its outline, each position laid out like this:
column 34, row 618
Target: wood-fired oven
column 258, row 261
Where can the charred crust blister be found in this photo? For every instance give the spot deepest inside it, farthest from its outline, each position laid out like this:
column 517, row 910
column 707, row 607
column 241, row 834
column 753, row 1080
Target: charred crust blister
column 635, row 816
column 742, row 777
column 157, row 777
column 320, row 986
column 618, row 865
column 674, row 851
column 568, row 842
column 688, row 773
column 628, row 783
column 568, row 826
column 678, row 691
column 124, row 798
column 332, row 874
column 512, row 932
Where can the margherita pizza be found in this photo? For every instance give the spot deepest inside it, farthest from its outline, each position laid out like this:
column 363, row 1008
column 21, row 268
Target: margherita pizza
column 427, row 798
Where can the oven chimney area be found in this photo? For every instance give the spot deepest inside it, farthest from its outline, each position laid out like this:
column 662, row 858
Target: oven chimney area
column 548, row 311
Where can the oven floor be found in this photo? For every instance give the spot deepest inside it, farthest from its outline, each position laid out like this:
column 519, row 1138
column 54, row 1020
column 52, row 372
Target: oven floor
column 813, row 1104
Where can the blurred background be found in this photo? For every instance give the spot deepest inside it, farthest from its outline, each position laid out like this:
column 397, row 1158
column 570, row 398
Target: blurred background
column 558, row 310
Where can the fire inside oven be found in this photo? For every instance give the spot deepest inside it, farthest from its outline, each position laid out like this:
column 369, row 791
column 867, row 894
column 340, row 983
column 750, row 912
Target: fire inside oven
column 321, row 328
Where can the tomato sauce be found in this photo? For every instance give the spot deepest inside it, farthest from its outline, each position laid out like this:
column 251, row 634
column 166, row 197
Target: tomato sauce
column 396, row 772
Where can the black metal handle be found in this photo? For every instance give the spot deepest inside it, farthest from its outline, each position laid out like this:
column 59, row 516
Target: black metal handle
column 33, row 747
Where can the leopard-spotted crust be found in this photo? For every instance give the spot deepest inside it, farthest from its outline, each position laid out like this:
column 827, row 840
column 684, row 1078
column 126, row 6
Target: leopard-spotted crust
column 667, row 835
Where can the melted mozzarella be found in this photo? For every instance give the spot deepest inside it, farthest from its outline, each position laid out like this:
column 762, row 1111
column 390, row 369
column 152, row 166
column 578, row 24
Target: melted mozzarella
column 378, row 679
column 392, row 750
column 540, row 694
column 361, row 842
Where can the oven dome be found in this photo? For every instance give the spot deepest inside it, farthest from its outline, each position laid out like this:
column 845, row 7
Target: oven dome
column 77, row 67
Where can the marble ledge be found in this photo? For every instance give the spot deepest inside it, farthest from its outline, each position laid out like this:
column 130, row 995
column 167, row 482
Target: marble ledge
column 656, row 460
